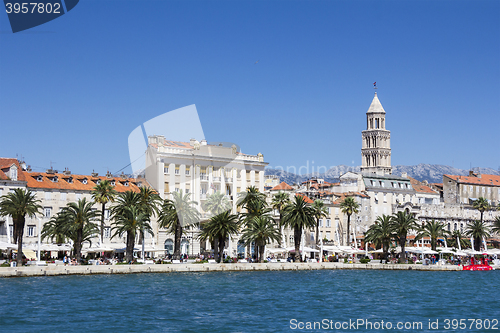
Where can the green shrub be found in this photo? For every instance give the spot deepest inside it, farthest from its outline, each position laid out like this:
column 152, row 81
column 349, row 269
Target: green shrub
column 5, row 264
column 364, row 260
column 345, row 260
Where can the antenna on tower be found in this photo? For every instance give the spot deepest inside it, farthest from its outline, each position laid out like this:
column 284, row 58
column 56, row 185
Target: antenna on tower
column 375, row 86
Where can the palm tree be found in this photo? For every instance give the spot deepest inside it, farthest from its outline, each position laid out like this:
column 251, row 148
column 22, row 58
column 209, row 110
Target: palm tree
column 433, row 230
column 124, row 200
column 254, row 202
column 216, row 203
column 349, row 207
column 455, row 237
column 54, row 229
column 477, row 230
column 132, row 221
column 482, row 205
column 102, row 194
column 217, row 230
column 298, row 215
column 175, row 215
column 279, row 202
column 380, row 233
column 496, row 226
column 19, row 204
column 78, row 220
column 402, row 223
column 261, row 230
column 148, row 204
column 319, row 211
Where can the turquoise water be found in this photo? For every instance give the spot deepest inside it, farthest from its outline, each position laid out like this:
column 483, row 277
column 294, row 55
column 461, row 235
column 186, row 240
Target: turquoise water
column 247, row 301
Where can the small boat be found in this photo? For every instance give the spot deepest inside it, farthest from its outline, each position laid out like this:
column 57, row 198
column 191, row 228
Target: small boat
column 478, row 265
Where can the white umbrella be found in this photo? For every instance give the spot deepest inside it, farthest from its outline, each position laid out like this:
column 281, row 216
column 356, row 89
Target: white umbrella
column 276, row 250
column 305, row 249
column 7, row 246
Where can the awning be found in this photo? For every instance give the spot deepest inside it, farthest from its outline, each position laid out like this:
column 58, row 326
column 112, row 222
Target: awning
column 29, row 254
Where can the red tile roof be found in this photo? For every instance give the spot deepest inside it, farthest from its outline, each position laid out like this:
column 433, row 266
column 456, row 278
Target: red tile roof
column 421, row 188
column 77, row 184
column 6, row 163
column 282, row 187
column 306, row 199
column 490, row 180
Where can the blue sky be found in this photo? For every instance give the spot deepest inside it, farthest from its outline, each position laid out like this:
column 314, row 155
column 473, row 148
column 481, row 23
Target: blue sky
column 73, row 89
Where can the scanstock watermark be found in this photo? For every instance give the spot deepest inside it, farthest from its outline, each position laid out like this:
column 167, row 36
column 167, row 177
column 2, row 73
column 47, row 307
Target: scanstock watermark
column 183, row 136
column 25, row 15
column 375, row 325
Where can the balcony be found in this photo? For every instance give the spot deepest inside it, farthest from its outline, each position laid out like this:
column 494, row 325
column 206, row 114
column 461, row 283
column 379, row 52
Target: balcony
column 204, row 177
column 203, row 196
column 216, row 179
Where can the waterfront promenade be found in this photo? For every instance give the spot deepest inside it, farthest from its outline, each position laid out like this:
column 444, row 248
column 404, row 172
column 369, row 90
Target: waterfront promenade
column 173, row 268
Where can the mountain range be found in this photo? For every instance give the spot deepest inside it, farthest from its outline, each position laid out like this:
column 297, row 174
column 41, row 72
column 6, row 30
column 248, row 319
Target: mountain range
column 433, row 173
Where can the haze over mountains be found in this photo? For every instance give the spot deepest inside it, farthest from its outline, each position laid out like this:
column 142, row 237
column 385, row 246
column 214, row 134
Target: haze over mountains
column 433, row 173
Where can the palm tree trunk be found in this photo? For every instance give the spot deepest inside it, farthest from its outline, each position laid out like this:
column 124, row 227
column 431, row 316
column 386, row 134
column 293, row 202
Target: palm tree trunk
column 177, row 237
column 78, row 245
column 216, row 249
column 385, row 249
column 130, row 247
column 102, row 222
column 348, row 229
column 222, row 244
column 402, row 241
column 19, row 258
column 297, row 233
column 317, row 232
column 477, row 243
column 261, row 251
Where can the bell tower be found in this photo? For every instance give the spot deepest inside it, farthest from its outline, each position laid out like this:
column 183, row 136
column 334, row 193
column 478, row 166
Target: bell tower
column 376, row 146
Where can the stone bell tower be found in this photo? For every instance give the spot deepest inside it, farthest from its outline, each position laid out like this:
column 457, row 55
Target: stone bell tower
column 376, row 146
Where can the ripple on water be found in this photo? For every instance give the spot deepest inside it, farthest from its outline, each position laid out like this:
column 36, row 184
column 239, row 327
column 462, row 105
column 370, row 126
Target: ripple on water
column 240, row 301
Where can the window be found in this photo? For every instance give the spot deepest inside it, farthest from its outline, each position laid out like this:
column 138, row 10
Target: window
column 106, row 214
column 328, row 223
column 187, row 171
column 31, row 231
column 320, row 223
column 39, row 178
column 291, row 239
column 47, row 211
column 449, row 227
column 454, row 226
column 337, row 211
column 84, row 181
column 13, row 173
column 169, row 246
column 70, row 180
column 47, row 195
column 63, row 196
column 165, row 170
column 177, row 171
column 385, row 197
column 381, row 184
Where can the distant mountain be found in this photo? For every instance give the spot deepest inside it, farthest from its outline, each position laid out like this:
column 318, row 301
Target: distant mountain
column 433, row 173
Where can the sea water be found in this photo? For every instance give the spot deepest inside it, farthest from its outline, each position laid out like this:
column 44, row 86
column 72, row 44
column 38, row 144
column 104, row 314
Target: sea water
column 285, row 301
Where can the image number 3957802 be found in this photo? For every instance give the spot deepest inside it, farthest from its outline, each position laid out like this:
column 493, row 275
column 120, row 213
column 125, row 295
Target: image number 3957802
column 26, row 15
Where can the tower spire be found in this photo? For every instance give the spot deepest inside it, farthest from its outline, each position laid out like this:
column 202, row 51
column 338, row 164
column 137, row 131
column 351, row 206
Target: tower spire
column 376, row 147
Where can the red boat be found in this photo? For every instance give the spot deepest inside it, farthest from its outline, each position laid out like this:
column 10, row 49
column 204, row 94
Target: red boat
column 478, row 265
